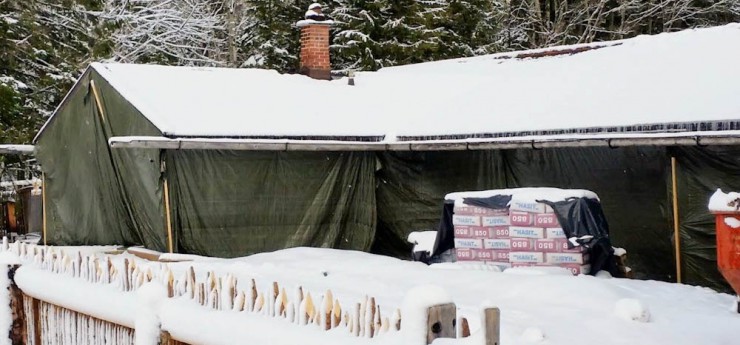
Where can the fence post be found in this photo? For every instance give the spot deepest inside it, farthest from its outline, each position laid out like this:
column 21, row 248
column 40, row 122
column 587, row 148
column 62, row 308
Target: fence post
column 492, row 325
column 18, row 327
column 441, row 321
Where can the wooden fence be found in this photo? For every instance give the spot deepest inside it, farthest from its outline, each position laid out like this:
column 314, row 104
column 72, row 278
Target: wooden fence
column 46, row 323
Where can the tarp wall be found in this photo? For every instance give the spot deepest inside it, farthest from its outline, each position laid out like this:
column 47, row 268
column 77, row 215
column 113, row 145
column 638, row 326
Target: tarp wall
column 95, row 195
column 235, row 203
column 701, row 170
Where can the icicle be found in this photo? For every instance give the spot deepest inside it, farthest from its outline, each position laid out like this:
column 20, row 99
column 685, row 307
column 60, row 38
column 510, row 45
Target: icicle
column 5, row 243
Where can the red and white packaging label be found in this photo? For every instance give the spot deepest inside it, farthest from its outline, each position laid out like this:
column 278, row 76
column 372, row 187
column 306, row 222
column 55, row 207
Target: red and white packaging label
column 546, row 220
column 496, row 221
column 497, row 243
column 476, row 243
column 521, row 244
column 563, row 247
column 483, row 254
column 521, row 218
column 548, row 246
column 577, row 269
column 482, row 232
column 526, row 232
column 470, row 254
column 530, row 257
column 566, row 258
column 501, row 255
column 464, row 254
column 555, row 233
column 466, row 220
column 533, row 207
column 462, row 231
column 480, row 211
column 500, row 231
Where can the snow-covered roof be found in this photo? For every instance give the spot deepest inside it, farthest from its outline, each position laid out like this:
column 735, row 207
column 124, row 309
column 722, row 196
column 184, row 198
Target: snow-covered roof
column 687, row 77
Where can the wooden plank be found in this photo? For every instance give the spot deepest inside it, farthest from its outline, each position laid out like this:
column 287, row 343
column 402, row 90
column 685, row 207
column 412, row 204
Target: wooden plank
column 492, row 326
column 441, row 322
column 676, row 228
column 36, row 307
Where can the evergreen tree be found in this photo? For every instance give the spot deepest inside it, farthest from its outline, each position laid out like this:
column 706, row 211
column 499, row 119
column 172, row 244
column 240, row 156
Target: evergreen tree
column 43, row 47
column 272, row 40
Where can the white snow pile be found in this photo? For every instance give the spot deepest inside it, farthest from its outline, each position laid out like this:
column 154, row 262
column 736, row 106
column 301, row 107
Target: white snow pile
column 632, row 309
column 423, row 241
column 533, row 335
column 724, row 202
column 150, row 298
column 686, row 76
column 732, row 222
column 524, row 195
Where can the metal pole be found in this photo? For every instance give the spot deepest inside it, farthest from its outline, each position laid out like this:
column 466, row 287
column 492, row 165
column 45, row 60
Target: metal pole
column 676, row 232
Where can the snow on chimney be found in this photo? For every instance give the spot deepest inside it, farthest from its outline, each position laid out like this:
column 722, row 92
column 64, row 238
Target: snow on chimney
column 315, row 43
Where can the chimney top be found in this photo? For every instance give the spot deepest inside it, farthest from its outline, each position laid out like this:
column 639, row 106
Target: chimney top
column 315, row 43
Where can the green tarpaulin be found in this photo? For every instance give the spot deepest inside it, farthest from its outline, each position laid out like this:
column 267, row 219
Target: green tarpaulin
column 235, row 203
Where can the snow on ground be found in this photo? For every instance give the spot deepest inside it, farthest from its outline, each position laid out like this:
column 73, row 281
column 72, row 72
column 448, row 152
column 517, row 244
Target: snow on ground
column 537, row 306
column 567, row 310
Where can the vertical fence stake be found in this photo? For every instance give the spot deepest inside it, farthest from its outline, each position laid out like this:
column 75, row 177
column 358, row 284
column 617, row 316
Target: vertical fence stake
column 441, row 322
column 492, row 325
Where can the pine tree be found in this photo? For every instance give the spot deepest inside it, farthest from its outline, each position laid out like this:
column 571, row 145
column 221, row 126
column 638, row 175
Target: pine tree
column 272, row 41
column 44, row 45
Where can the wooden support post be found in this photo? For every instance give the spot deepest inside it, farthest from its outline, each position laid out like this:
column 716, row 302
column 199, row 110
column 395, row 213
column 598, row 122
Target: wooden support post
column 43, row 206
column 492, row 326
column 167, row 213
column 441, row 322
column 676, row 232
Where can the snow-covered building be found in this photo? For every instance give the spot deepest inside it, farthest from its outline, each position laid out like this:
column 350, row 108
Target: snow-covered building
column 229, row 162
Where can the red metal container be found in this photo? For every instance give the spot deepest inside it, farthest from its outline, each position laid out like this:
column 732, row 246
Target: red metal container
column 728, row 248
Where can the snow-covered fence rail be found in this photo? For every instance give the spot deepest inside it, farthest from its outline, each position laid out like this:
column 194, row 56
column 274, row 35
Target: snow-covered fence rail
column 101, row 299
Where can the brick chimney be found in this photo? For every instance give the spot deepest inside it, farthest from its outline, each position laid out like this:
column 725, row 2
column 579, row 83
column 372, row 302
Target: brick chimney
column 315, row 48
